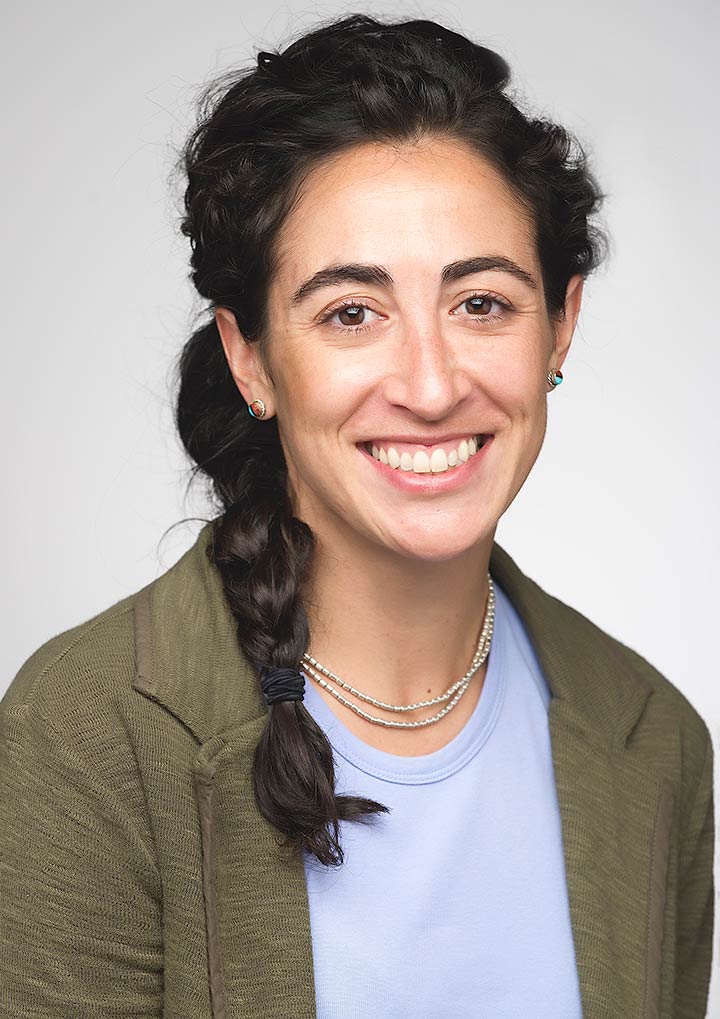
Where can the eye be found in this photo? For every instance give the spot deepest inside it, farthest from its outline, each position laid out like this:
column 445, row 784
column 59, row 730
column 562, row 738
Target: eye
column 354, row 312
column 481, row 307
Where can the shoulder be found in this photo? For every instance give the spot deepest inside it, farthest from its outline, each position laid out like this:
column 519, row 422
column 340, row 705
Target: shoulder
column 93, row 664
column 620, row 692
column 670, row 710
column 76, row 689
column 82, row 685
column 77, row 664
column 667, row 701
column 70, row 725
column 670, row 732
column 163, row 658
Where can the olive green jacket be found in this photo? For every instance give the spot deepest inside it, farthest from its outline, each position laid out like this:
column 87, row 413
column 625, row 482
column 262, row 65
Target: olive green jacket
column 138, row 878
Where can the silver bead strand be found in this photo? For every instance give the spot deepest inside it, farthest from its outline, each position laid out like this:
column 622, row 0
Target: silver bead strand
column 313, row 667
column 393, row 724
column 485, row 635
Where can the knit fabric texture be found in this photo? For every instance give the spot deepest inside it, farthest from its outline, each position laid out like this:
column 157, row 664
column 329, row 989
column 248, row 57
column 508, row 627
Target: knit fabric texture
column 138, row 879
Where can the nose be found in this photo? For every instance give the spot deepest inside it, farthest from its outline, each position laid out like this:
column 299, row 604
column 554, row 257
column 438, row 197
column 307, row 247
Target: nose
column 426, row 378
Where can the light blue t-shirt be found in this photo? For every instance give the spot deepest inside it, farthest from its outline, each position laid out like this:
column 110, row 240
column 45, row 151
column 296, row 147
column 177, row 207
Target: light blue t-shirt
column 454, row 905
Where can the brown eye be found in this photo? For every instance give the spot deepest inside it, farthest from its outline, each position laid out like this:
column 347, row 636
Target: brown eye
column 480, row 305
column 351, row 317
column 354, row 314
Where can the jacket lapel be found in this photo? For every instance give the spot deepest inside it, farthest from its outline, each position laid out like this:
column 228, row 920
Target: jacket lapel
column 616, row 827
column 256, row 907
column 256, row 897
column 615, row 817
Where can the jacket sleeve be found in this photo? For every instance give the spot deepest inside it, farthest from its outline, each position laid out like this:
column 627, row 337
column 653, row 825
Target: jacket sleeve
column 695, row 909
column 80, row 895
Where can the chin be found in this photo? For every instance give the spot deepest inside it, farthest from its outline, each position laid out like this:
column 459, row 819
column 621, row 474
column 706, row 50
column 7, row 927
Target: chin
column 437, row 547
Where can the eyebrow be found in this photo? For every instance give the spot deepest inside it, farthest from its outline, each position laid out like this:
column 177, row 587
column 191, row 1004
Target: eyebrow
column 356, row 272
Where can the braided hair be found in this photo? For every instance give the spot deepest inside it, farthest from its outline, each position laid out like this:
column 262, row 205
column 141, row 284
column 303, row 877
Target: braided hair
column 259, row 133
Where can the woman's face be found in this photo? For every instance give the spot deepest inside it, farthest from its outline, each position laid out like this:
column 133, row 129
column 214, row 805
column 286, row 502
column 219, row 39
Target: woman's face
column 444, row 336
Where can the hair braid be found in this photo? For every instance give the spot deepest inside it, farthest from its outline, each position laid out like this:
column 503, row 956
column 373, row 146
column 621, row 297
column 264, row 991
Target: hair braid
column 263, row 553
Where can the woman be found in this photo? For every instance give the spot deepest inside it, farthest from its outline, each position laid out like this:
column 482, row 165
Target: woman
column 345, row 758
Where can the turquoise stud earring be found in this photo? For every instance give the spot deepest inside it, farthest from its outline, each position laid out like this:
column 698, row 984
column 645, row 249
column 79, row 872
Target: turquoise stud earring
column 555, row 378
column 257, row 409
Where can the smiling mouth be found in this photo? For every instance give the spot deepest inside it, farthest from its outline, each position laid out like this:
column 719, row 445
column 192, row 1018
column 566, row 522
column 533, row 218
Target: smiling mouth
column 425, row 459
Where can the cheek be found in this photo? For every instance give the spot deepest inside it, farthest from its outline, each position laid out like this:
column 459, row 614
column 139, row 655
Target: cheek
column 512, row 366
column 519, row 389
column 316, row 407
column 331, row 390
column 309, row 392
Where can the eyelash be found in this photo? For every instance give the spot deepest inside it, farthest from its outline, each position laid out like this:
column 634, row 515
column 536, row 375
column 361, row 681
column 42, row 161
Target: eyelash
column 349, row 303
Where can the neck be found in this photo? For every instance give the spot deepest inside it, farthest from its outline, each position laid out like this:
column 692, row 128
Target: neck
column 398, row 629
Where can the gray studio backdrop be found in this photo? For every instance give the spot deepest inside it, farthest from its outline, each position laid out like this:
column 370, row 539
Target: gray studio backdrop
column 619, row 516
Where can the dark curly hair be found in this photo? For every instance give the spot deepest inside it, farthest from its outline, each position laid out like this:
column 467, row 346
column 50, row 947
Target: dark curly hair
column 258, row 135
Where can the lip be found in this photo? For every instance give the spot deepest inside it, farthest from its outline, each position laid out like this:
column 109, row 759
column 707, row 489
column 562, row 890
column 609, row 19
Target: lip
column 422, row 440
column 444, row 481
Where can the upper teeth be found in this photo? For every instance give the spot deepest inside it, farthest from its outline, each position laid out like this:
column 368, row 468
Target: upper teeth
column 429, row 460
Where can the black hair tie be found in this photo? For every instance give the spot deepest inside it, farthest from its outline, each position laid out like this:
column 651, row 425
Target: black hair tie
column 281, row 684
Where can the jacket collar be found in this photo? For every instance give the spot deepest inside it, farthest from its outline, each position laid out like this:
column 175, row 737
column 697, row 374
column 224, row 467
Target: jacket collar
column 189, row 640
column 615, row 816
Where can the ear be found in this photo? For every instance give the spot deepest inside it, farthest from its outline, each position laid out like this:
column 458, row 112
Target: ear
column 244, row 362
column 565, row 326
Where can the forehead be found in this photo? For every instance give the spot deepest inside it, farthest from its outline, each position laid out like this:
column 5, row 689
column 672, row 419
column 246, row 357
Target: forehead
column 425, row 204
